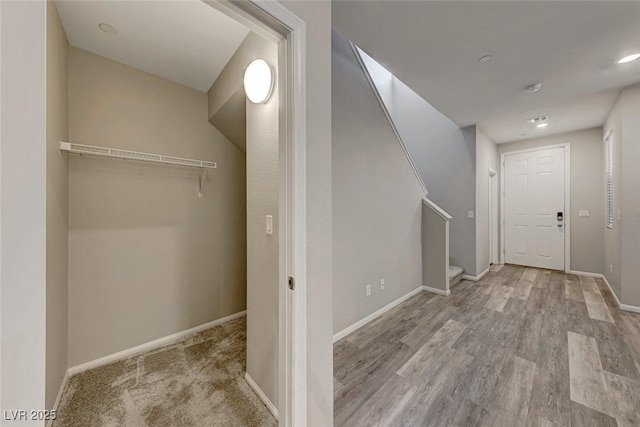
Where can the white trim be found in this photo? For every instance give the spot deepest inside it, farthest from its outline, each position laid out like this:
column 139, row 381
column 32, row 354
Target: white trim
column 268, row 403
column 625, row 307
column 493, row 217
column 437, row 209
column 385, row 110
column 151, row 345
column 436, row 290
column 567, row 199
column 360, row 323
column 56, row 403
column 476, row 278
column 586, row 274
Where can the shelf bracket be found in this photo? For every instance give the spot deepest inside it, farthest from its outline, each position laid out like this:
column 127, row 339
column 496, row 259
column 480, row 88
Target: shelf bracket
column 204, row 176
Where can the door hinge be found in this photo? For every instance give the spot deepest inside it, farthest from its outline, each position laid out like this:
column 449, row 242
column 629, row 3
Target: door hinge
column 292, row 283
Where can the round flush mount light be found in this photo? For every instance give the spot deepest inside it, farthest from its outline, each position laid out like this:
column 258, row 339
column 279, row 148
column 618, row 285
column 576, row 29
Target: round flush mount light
column 258, row 81
column 484, row 58
column 629, row 58
column 533, row 88
column 109, row 29
column 539, row 122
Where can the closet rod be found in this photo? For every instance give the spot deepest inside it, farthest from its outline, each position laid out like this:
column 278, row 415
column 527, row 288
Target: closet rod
column 134, row 155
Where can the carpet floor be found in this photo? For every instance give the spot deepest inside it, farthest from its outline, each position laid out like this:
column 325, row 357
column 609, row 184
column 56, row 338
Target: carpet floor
column 197, row 381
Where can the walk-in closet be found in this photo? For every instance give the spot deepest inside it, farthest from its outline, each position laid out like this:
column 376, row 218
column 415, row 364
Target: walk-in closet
column 162, row 214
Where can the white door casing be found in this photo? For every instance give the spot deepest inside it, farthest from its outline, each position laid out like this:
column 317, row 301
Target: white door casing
column 493, row 217
column 534, row 197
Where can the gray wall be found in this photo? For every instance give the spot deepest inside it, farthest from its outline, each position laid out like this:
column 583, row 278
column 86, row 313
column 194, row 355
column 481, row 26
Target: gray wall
column 23, row 203
column 262, row 249
column 147, row 256
column 57, row 204
column 226, row 98
column 444, row 155
column 435, row 248
column 587, row 192
column 622, row 244
column 486, row 157
column 376, row 199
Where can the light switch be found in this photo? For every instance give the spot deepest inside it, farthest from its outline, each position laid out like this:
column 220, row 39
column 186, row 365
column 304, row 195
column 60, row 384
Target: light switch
column 469, row 214
column 584, row 213
column 270, row 225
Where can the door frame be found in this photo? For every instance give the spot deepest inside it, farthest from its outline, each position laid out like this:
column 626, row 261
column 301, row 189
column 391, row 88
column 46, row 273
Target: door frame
column 567, row 198
column 278, row 24
column 493, row 217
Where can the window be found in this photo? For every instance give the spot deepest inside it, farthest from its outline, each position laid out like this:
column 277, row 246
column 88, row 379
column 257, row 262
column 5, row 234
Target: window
column 608, row 154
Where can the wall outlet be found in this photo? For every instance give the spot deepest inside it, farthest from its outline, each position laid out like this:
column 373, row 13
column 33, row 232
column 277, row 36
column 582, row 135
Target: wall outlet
column 382, row 284
column 610, row 268
column 367, row 290
column 469, row 214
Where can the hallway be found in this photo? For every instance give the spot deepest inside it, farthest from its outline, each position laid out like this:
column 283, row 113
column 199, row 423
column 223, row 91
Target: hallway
column 522, row 346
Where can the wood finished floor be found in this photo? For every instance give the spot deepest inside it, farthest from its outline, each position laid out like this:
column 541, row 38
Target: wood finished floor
column 522, row 347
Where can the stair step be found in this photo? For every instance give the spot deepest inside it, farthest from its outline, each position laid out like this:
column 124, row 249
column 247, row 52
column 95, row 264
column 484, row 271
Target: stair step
column 454, row 272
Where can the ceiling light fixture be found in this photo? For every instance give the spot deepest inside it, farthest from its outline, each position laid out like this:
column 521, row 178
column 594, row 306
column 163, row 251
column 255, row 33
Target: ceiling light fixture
column 629, row 58
column 484, row 58
column 258, row 81
column 539, row 122
column 533, row 88
column 109, row 29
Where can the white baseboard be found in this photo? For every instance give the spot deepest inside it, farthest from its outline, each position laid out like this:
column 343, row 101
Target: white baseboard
column 269, row 404
column 476, row 278
column 586, row 273
column 436, row 290
column 56, row 404
column 360, row 323
column 151, row 345
column 626, row 307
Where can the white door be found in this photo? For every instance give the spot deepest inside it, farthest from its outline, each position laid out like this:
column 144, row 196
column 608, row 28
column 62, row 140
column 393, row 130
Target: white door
column 534, row 208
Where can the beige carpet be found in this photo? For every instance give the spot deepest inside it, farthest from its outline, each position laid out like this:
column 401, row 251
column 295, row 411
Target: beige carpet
column 198, row 381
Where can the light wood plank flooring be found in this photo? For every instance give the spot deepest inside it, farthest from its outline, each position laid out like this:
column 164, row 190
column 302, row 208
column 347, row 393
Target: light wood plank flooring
column 522, row 347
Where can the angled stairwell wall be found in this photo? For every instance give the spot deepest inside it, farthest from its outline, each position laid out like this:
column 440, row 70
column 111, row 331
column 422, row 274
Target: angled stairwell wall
column 444, row 156
column 377, row 199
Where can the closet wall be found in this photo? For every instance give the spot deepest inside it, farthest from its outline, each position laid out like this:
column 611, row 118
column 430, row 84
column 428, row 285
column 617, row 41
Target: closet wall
column 147, row 256
column 57, row 206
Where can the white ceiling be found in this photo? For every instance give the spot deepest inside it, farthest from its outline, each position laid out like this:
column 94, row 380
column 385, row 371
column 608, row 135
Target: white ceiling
column 569, row 46
column 185, row 41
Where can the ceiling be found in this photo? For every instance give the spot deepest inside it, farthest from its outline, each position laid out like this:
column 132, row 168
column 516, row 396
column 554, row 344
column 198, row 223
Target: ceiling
column 187, row 42
column 570, row 46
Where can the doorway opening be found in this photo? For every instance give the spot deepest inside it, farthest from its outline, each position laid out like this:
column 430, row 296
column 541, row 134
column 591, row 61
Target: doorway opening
column 159, row 253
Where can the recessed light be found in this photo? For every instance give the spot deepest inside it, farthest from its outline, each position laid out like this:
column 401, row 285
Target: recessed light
column 533, row 88
column 539, row 122
column 484, row 58
column 109, row 29
column 629, row 58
